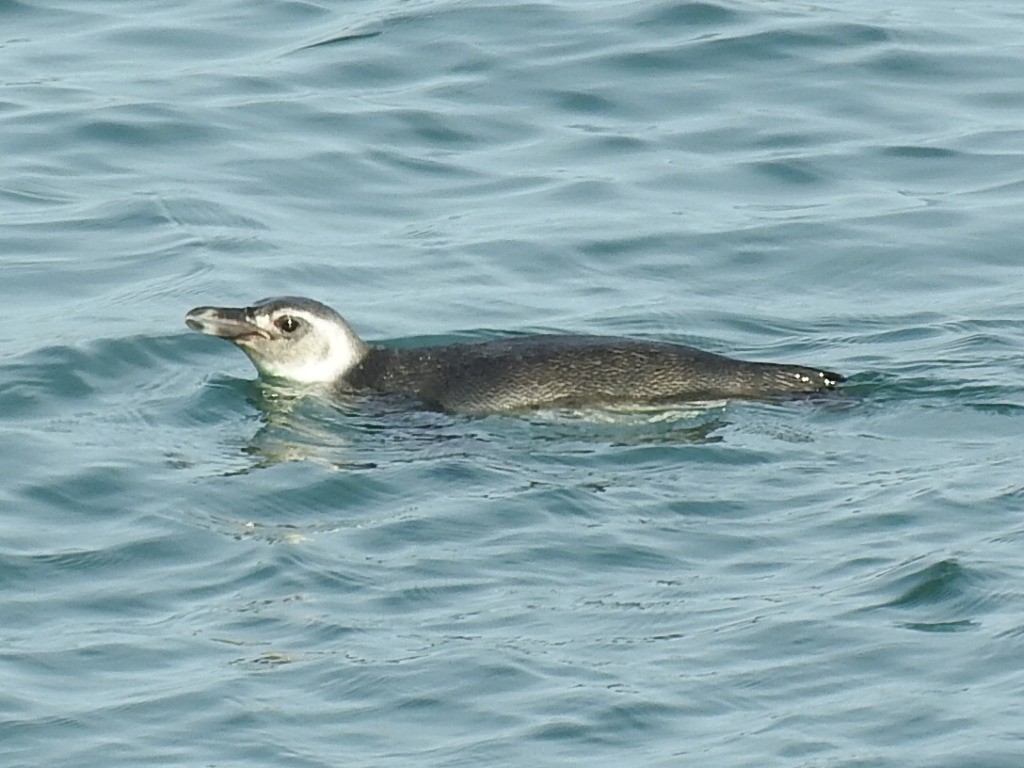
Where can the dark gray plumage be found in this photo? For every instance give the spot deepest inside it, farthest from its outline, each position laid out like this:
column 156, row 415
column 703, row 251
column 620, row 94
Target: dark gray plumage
column 570, row 371
column 302, row 341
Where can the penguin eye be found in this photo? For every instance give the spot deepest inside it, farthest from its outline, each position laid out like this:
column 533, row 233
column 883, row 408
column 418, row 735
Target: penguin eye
column 287, row 323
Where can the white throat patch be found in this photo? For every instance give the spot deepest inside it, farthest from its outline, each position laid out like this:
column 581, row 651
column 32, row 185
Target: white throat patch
column 320, row 351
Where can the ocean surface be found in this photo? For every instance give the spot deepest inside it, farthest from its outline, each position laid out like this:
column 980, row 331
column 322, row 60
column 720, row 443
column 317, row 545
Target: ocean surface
column 200, row 570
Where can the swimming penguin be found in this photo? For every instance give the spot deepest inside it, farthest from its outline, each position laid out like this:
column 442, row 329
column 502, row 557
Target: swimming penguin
column 301, row 341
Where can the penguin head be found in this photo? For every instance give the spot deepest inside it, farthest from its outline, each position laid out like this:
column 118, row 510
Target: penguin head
column 289, row 339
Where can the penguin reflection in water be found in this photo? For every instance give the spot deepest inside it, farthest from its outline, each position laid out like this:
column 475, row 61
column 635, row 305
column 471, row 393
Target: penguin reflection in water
column 300, row 341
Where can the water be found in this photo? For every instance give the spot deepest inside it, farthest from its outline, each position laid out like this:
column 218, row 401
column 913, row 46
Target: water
column 197, row 570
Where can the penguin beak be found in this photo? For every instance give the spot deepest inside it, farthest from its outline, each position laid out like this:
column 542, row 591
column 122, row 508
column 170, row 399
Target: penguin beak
column 225, row 322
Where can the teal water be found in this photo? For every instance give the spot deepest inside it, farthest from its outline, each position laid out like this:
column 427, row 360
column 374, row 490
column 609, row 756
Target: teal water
column 196, row 570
